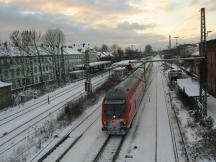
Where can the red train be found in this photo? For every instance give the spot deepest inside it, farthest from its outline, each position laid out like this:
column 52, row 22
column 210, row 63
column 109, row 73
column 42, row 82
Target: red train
column 121, row 103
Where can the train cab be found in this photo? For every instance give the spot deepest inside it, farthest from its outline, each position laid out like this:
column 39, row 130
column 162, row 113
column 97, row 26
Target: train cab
column 114, row 115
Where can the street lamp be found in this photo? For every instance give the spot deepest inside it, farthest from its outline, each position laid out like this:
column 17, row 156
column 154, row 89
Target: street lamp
column 176, row 40
column 208, row 32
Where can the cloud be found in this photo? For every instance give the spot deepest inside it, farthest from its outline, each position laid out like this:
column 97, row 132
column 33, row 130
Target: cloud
column 13, row 18
column 134, row 26
column 210, row 5
column 117, row 6
column 123, row 22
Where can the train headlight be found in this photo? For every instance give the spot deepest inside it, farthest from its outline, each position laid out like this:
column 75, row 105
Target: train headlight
column 123, row 123
column 114, row 116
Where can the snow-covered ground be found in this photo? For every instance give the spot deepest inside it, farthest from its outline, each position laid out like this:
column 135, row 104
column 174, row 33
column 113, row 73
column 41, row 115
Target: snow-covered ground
column 148, row 140
column 211, row 108
column 151, row 137
column 198, row 136
column 17, row 124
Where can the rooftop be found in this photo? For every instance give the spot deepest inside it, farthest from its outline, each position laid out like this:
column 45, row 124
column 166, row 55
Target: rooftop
column 189, row 86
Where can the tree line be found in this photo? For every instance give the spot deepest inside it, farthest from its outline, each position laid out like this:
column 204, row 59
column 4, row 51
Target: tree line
column 127, row 53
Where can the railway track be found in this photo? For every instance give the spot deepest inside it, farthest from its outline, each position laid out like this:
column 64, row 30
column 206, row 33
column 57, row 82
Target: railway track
column 35, row 106
column 35, row 102
column 176, row 157
column 175, row 128
column 110, row 149
column 156, row 123
column 42, row 157
column 18, row 132
column 4, row 118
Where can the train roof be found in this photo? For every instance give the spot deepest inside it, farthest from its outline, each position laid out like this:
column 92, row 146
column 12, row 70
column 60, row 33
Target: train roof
column 120, row 91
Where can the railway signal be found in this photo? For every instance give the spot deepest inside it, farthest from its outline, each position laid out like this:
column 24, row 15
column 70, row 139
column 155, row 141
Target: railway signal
column 88, row 85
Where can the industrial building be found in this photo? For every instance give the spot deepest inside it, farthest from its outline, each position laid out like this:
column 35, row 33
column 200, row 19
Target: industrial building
column 211, row 54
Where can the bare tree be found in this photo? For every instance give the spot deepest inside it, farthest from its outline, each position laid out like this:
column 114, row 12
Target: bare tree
column 114, row 48
column 96, row 48
column 54, row 40
column 27, row 42
column 120, row 53
column 104, row 48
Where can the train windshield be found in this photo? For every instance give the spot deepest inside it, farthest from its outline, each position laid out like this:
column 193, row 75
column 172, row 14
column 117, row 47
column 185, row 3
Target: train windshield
column 114, row 108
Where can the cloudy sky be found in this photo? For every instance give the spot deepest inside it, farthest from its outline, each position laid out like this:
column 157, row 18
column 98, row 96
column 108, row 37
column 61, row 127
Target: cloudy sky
column 123, row 22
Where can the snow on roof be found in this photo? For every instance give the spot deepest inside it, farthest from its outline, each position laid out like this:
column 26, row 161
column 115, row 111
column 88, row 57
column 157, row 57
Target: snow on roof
column 195, row 53
column 70, row 51
column 76, row 71
column 3, row 84
column 104, row 54
column 119, row 69
column 11, row 50
column 82, row 47
column 95, row 63
column 190, row 87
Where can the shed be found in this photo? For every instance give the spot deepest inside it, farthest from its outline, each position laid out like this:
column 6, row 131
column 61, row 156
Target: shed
column 5, row 94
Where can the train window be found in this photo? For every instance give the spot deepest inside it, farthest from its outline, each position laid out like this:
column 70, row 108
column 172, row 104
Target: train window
column 114, row 109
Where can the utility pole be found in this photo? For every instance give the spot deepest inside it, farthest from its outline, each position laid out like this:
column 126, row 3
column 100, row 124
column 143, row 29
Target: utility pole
column 203, row 69
column 88, row 85
column 177, row 54
column 170, row 41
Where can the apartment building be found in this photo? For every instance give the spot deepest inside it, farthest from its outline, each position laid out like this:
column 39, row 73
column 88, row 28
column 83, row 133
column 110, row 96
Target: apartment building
column 21, row 69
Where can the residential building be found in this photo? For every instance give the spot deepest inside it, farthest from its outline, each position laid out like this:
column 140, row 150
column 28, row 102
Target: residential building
column 24, row 70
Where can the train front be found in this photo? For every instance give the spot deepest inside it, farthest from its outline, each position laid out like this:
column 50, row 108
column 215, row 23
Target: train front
column 114, row 116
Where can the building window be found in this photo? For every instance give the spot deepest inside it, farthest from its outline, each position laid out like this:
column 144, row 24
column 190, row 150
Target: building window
column 11, row 61
column 5, row 61
column 35, row 69
column 17, row 72
column 27, row 70
column 18, row 83
column 35, row 60
column 36, row 80
column 12, row 73
column 6, row 73
column 17, row 60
